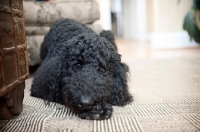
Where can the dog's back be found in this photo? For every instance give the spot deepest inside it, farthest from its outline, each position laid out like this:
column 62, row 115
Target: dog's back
column 61, row 31
column 65, row 29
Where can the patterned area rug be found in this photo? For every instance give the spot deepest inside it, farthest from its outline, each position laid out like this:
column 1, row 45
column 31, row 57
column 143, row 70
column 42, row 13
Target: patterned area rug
column 167, row 98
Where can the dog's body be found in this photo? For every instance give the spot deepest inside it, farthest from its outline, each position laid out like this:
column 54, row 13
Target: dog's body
column 81, row 70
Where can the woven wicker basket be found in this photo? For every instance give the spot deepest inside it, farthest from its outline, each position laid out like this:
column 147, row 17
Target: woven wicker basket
column 13, row 58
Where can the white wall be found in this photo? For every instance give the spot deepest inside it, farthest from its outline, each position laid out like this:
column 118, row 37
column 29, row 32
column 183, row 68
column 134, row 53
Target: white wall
column 168, row 15
column 105, row 14
column 134, row 19
column 166, row 24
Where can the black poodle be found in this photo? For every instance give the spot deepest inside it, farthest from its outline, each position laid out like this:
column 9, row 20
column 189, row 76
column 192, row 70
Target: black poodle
column 82, row 71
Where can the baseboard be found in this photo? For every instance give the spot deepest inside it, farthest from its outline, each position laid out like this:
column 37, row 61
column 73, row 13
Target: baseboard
column 170, row 40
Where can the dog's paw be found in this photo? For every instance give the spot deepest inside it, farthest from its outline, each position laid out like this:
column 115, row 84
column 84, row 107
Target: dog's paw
column 100, row 111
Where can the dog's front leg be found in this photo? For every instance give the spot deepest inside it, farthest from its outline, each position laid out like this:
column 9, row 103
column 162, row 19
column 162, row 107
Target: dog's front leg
column 100, row 111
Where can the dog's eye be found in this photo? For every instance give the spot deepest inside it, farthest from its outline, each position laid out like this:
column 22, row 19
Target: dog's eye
column 102, row 69
column 78, row 65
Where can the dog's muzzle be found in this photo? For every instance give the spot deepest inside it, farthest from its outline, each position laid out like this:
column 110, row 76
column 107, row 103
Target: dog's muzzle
column 85, row 103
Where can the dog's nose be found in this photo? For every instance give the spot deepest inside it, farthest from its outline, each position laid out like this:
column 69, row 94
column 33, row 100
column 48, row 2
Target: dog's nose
column 86, row 103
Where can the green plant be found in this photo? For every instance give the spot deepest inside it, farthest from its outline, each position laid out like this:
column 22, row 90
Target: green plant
column 190, row 22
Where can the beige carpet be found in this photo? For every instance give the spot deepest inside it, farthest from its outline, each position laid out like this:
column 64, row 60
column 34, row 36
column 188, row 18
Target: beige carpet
column 167, row 99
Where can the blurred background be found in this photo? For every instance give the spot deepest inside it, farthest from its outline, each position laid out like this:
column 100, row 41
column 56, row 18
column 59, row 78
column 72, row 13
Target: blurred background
column 153, row 28
column 144, row 29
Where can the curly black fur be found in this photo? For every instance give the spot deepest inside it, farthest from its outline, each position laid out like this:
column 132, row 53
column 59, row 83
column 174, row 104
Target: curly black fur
column 82, row 71
column 109, row 36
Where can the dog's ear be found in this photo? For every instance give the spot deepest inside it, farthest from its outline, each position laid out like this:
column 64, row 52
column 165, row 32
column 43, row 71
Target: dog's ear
column 108, row 35
column 46, row 83
column 120, row 95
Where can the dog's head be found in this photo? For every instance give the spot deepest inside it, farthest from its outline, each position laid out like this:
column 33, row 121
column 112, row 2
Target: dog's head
column 87, row 70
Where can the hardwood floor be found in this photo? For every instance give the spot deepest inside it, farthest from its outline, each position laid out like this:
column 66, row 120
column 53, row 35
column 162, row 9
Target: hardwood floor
column 133, row 50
